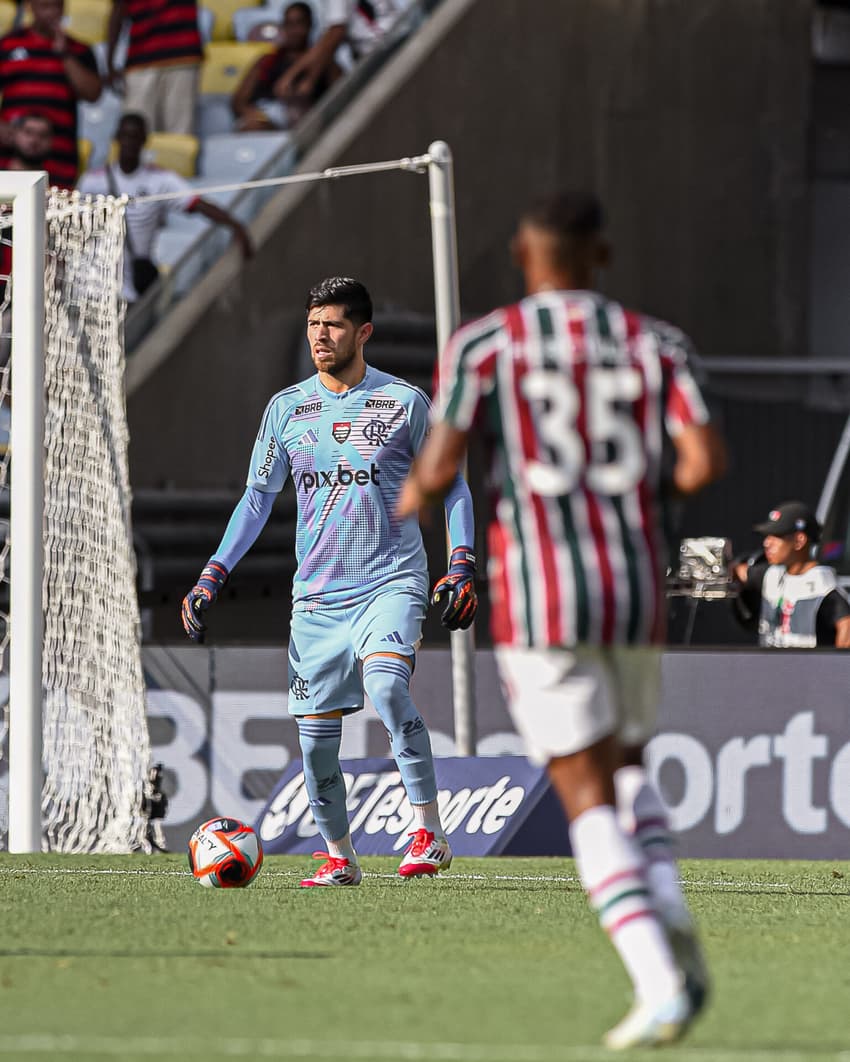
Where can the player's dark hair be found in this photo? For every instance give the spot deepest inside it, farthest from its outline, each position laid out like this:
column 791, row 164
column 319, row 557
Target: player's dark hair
column 304, row 8
column 573, row 214
column 573, row 218
column 345, row 292
column 134, row 118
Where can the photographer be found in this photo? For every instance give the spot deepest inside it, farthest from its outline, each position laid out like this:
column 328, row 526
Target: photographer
column 794, row 602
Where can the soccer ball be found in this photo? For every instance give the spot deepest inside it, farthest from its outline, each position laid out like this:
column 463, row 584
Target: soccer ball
column 225, row 854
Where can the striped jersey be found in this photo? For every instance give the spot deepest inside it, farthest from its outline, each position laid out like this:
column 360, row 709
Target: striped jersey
column 574, row 395
column 348, row 454
column 163, row 33
column 33, row 78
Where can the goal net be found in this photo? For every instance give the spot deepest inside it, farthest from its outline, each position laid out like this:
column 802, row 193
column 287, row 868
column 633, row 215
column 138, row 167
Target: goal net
column 95, row 750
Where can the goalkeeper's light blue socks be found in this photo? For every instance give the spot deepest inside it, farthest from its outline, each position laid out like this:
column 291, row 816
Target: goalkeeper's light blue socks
column 320, row 740
column 386, row 680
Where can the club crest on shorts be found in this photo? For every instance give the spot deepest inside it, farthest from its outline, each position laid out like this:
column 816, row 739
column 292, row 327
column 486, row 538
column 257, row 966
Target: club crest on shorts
column 341, row 430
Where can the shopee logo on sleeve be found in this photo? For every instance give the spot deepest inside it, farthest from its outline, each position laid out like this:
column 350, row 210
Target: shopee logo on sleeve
column 264, row 471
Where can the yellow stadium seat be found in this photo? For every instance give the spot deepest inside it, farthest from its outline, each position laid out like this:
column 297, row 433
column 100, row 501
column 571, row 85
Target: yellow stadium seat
column 169, row 151
column 8, row 10
column 87, row 20
column 226, row 63
column 223, row 11
column 84, row 149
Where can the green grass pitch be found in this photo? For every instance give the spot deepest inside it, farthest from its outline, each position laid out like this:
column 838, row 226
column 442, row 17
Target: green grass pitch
column 499, row 960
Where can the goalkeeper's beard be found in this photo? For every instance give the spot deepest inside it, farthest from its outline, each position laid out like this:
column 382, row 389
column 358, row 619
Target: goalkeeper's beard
column 338, row 364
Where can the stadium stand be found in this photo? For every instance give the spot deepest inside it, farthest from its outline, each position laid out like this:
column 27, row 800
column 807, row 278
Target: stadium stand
column 98, row 122
column 214, row 115
column 8, row 13
column 206, row 22
column 224, row 10
column 237, row 156
column 84, row 149
column 87, row 20
column 256, row 24
column 189, row 251
column 226, row 63
column 174, row 151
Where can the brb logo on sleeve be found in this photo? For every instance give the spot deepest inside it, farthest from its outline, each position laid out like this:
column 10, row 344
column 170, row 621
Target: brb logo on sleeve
column 337, row 477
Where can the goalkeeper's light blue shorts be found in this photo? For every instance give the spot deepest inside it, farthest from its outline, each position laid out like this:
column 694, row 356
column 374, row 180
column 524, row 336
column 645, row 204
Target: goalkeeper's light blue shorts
column 327, row 646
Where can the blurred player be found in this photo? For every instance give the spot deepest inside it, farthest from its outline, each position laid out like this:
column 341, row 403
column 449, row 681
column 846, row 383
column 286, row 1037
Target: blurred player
column 348, row 436
column 575, row 395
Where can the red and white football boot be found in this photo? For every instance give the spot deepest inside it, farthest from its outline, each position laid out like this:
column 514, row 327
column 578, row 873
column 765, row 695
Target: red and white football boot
column 426, row 854
column 336, row 870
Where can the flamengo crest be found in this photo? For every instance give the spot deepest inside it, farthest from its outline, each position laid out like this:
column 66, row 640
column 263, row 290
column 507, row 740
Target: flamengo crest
column 341, row 430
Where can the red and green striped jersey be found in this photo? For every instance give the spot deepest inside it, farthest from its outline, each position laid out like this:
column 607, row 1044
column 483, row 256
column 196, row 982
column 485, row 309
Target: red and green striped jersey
column 575, row 396
column 163, row 33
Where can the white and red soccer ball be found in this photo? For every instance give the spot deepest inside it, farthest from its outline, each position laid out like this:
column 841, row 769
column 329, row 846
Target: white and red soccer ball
column 225, row 854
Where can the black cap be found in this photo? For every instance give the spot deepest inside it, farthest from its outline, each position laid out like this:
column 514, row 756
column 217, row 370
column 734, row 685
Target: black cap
column 789, row 517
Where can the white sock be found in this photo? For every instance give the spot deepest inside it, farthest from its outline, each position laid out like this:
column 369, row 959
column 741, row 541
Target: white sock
column 612, row 872
column 642, row 815
column 427, row 817
column 343, row 848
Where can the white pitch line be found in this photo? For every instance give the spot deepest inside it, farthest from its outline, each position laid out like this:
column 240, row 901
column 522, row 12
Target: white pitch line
column 558, row 879
column 406, row 1051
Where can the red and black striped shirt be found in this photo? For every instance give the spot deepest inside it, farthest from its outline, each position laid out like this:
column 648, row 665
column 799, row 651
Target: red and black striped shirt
column 163, row 33
column 33, row 78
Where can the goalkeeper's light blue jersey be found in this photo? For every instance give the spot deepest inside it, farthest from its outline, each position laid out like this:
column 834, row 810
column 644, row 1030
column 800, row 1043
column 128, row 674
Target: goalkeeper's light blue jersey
column 348, row 455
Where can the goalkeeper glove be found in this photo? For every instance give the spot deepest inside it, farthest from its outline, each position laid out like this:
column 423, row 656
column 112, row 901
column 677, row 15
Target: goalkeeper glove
column 457, row 587
column 200, row 597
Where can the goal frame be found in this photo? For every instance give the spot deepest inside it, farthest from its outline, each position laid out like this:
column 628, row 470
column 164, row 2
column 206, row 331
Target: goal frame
column 27, row 193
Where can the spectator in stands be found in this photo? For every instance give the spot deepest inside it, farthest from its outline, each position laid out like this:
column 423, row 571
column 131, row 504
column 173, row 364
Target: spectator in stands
column 162, row 70
column 132, row 177
column 794, row 602
column 257, row 102
column 359, row 23
column 32, row 141
column 42, row 67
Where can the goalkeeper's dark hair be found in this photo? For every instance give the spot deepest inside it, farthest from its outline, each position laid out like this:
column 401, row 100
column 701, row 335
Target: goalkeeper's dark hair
column 574, row 218
column 345, row 292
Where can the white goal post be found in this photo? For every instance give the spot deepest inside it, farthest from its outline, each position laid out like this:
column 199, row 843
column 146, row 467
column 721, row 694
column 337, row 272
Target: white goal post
column 27, row 192
column 78, row 742
column 77, row 729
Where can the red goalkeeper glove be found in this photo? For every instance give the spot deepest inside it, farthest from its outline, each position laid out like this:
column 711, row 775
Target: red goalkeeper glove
column 457, row 588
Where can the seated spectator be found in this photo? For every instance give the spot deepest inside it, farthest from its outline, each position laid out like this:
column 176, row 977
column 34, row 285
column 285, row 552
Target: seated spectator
column 794, row 602
column 359, row 23
column 163, row 67
column 41, row 66
column 31, row 143
column 134, row 178
column 257, row 102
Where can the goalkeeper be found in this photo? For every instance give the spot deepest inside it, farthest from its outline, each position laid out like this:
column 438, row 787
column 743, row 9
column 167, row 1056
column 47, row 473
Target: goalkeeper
column 347, row 436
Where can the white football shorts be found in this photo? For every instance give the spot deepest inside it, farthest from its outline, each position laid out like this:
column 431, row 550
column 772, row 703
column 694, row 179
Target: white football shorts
column 565, row 700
